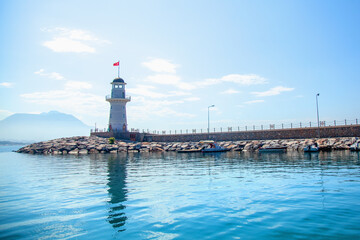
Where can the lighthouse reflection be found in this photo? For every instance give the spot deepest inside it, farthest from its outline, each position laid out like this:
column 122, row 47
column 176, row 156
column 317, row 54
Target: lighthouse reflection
column 117, row 191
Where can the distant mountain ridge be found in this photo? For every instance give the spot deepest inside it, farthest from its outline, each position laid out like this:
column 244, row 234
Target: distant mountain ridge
column 43, row 126
column 49, row 117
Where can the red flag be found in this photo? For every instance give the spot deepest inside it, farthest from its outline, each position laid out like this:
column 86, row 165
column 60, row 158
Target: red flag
column 116, row 64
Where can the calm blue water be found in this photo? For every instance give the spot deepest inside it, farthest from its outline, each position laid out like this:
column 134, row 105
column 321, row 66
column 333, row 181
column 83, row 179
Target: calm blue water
column 180, row 196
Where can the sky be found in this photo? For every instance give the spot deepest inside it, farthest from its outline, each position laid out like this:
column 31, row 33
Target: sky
column 258, row 62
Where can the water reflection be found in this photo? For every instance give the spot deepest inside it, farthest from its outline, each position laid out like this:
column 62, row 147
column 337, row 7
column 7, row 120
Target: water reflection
column 210, row 173
column 180, row 196
column 117, row 191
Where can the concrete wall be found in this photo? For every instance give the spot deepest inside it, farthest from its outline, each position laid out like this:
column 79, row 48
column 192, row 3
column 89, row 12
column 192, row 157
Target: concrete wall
column 295, row 133
column 102, row 134
column 132, row 136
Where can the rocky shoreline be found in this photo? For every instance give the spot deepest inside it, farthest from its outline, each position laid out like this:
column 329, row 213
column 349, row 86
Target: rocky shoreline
column 89, row 145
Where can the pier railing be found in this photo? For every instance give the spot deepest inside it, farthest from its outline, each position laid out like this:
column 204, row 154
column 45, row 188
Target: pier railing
column 253, row 127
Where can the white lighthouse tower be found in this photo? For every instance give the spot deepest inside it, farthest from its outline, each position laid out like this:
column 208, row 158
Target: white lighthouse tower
column 118, row 100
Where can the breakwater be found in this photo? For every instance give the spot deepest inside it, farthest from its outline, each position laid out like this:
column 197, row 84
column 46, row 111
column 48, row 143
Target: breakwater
column 269, row 134
column 289, row 133
column 89, row 145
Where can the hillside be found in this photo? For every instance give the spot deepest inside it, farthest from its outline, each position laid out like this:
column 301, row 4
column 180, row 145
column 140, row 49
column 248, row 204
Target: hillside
column 39, row 127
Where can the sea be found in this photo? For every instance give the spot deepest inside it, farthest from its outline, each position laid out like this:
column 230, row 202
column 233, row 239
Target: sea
column 231, row 195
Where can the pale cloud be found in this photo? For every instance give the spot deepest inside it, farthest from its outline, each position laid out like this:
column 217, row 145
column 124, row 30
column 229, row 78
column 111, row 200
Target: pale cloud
column 72, row 101
column 179, row 93
column 72, row 40
column 69, row 85
column 156, row 103
column 72, row 85
column 68, row 45
column 246, row 79
column 250, row 79
column 77, row 34
column 168, row 79
column 273, row 91
column 192, row 99
column 146, row 91
column 230, row 91
column 5, row 114
column 254, row 101
column 241, row 79
column 167, row 76
column 149, row 91
column 164, row 79
column 53, row 75
column 207, row 82
column 160, row 65
column 147, row 108
column 6, row 84
column 186, row 86
column 171, row 113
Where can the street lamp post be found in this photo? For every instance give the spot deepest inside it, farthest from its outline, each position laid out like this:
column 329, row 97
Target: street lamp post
column 317, row 111
column 209, row 117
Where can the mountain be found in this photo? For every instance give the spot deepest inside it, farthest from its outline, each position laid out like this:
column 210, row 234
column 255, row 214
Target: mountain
column 43, row 126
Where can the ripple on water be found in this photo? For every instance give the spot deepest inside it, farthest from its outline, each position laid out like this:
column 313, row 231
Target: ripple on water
column 180, row 196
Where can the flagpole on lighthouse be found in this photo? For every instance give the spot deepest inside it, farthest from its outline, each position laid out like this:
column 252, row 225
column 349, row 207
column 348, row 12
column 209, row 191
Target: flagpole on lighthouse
column 117, row 64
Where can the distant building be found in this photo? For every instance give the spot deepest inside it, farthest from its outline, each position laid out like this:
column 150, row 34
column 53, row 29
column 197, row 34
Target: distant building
column 118, row 100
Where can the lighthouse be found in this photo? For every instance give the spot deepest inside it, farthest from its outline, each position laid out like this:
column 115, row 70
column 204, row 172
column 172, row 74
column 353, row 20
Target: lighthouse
column 118, row 100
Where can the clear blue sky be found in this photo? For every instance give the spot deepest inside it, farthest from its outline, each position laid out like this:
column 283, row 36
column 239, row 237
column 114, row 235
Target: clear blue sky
column 258, row 62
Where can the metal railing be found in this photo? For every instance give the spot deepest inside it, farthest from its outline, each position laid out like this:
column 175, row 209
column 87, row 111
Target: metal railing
column 100, row 130
column 310, row 124
column 126, row 97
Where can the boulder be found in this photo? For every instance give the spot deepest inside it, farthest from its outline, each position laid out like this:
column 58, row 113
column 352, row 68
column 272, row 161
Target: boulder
column 83, row 151
column 74, row 152
column 248, row 147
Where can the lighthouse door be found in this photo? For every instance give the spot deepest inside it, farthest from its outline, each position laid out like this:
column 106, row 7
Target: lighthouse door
column 133, row 137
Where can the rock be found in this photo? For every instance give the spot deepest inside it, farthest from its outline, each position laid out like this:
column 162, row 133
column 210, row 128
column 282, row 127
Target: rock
column 85, row 145
column 83, row 151
column 231, row 146
column 100, row 147
column 121, row 144
column 93, row 150
column 75, row 151
column 248, row 147
column 82, row 146
column 111, row 147
column 266, row 145
column 89, row 147
column 157, row 149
